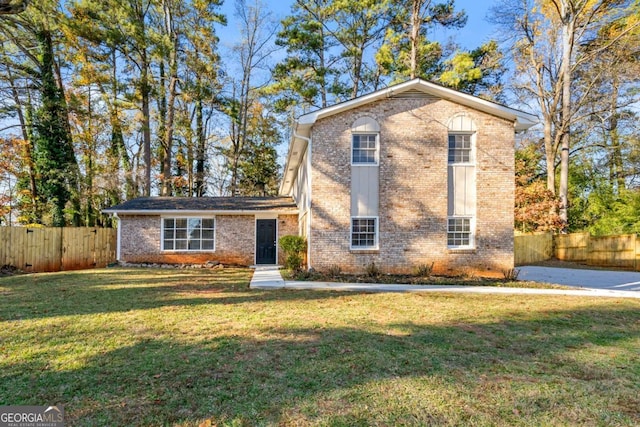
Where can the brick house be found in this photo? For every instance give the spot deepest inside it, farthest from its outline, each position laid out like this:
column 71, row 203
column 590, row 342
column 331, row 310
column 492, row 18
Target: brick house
column 176, row 230
column 409, row 175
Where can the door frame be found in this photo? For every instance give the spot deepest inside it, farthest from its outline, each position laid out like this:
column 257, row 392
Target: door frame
column 255, row 236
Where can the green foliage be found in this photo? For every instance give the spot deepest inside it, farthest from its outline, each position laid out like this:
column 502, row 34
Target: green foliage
column 308, row 75
column 294, row 248
column 461, row 68
column 258, row 169
column 477, row 72
column 55, row 160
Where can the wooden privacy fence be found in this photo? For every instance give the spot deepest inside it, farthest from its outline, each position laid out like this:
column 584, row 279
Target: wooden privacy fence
column 622, row 251
column 55, row 249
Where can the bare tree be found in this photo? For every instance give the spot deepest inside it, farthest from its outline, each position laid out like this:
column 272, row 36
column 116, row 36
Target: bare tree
column 546, row 36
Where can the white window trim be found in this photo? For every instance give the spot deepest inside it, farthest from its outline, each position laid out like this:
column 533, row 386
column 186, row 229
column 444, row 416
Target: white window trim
column 377, row 155
column 473, row 148
column 376, row 245
column 215, row 233
column 472, row 232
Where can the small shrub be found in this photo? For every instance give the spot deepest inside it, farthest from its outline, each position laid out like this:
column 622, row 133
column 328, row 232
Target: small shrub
column 423, row 270
column 510, row 273
column 372, row 270
column 293, row 247
column 293, row 262
column 334, row 271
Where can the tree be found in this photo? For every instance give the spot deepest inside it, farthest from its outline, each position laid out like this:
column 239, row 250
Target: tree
column 546, row 37
column 259, row 170
column 535, row 206
column 478, row 72
column 407, row 51
column 257, row 30
column 359, row 29
column 32, row 33
column 9, row 7
column 309, row 75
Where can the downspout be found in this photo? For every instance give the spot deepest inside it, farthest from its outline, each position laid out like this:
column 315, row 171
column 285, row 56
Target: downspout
column 119, row 238
column 308, row 207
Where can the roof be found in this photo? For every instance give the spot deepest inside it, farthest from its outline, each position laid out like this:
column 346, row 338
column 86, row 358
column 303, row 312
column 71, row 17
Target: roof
column 193, row 205
column 302, row 128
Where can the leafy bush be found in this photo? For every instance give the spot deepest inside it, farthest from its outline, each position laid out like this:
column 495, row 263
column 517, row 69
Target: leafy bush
column 294, row 248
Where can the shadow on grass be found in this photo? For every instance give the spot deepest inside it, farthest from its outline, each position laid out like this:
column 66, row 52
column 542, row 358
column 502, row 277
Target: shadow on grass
column 37, row 296
column 280, row 379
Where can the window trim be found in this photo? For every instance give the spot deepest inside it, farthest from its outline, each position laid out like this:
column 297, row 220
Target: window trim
column 472, row 232
column 377, row 148
column 187, row 217
column 472, row 152
column 376, row 234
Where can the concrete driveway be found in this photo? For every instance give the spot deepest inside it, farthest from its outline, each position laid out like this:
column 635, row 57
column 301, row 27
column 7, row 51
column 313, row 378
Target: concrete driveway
column 593, row 279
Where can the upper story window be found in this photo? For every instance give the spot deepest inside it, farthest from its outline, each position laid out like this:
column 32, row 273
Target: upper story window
column 188, row 234
column 460, row 148
column 365, row 149
column 461, row 139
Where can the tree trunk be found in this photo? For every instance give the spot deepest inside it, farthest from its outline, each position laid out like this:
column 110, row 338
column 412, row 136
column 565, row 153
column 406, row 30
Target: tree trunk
column 145, row 90
column 568, row 21
column 414, row 36
column 200, row 150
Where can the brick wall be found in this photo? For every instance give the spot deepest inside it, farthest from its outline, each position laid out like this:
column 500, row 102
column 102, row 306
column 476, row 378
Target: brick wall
column 413, row 190
column 235, row 240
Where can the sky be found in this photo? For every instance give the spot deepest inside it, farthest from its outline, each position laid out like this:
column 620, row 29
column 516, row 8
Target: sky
column 476, row 32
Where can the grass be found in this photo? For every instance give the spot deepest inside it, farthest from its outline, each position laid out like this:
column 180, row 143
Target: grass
column 192, row 347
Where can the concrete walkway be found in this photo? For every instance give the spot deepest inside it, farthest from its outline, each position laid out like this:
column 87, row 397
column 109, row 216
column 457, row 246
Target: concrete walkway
column 270, row 278
column 266, row 277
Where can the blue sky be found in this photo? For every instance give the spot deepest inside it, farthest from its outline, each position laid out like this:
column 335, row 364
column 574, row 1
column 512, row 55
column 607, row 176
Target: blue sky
column 476, row 32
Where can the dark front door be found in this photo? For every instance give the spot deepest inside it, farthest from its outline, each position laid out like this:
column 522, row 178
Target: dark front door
column 266, row 241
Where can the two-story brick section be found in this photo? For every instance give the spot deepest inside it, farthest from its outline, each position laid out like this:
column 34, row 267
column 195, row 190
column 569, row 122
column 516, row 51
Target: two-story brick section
column 409, row 175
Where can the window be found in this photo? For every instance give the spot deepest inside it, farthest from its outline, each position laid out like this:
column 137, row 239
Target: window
column 364, row 233
column 459, row 232
column 459, row 148
column 364, row 149
column 188, row 234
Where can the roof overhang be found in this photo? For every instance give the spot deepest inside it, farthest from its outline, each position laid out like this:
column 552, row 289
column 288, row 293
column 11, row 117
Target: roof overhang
column 183, row 212
column 302, row 128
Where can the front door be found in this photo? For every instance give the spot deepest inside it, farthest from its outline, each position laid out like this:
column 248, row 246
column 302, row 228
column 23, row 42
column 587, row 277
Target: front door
column 266, row 241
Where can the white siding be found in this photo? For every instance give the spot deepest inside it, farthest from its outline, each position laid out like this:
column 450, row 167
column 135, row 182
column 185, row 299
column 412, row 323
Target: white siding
column 364, row 190
column 301, row 186
column 365, row 125
column 461, row 123
column 462, row 191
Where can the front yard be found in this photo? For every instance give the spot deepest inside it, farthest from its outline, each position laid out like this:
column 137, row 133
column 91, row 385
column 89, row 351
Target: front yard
column 194, row 347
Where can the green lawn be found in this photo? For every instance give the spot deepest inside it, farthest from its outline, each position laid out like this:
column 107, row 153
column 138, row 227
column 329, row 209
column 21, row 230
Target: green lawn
column 188, row 347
